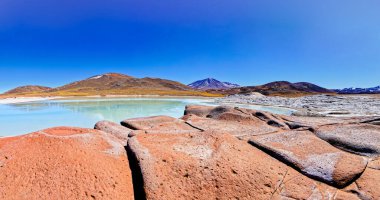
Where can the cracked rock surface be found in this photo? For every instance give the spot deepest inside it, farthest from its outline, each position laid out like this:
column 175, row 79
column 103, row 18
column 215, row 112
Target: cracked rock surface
column 312, row 156
column 361, row 139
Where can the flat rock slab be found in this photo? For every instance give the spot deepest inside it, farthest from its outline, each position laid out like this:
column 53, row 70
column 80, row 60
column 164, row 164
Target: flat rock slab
column 297, row 186
column 315, row 122
column 158, row 124
column 114, row 129
column 213, row 165
column 235, row 114
column 236, row 128
column 374, row 164
column 198, row 110
column 203, row 166
column 368, row 184
column 312, row 156
column 64, row 163
column 363, row 139
column 372, row 120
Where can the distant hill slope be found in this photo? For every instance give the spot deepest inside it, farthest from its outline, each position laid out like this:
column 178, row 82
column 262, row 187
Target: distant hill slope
column 284, row 86
column 28, row 89
column 280, row 88
column 114, row 81
column 120, row 84
column 372, row 90
column 211, row 83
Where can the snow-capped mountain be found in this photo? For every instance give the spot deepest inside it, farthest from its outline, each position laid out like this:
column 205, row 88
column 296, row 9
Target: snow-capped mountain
column 352, row 90
column 210, row 83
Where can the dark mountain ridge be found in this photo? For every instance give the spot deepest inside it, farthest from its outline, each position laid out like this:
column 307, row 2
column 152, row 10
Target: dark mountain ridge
column 352, row 90
column 211, row 83
column 279, row 88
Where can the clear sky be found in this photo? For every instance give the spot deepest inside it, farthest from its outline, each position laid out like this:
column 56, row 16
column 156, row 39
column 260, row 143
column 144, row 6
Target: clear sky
column 333, row 43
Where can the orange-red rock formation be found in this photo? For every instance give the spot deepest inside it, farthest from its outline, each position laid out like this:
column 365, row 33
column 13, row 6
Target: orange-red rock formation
column 210, row 153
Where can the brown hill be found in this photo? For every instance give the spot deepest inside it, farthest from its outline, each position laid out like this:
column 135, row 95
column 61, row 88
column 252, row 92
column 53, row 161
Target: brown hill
column 27, row 89
column 279, row 88
column 119, row 84
column 284, row 87
column 113, row 83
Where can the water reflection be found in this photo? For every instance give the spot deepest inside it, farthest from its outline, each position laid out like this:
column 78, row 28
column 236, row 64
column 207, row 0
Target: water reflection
column 27, row 117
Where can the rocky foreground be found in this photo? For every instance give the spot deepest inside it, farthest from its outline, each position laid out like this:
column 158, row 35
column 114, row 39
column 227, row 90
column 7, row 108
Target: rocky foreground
column 210, row 153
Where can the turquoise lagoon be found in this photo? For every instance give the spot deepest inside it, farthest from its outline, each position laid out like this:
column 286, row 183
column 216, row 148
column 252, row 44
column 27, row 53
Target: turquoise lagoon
column 21, row 118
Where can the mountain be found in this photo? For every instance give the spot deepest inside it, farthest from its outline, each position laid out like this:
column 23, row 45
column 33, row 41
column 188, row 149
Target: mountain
column 352, row 90
column 119, row 84
column 115, row 81
column 291, row 89
column 280, row 88
column 28, row 89
column 210, row 83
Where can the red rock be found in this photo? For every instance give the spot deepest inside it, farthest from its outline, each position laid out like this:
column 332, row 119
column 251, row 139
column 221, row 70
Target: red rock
column 212, row 166
column 240, row 129
column 203, row 166
column 368, row 184
column 297, row 186
column 231, row 114
column 346, row 196
column 312, row 156
column 158, row 124
column 64, row 163
column 198, row 110
column 204, row 161
column 314, row 122
column 374, row 163
column 114, row 129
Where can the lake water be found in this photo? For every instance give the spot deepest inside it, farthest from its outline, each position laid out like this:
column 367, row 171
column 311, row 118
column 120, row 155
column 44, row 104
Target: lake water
column 21, row 118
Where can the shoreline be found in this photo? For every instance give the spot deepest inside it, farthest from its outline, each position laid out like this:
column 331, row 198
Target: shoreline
column 15, row 100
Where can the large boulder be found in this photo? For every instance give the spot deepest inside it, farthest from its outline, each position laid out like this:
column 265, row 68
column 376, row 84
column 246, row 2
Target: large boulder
column 198, row 110
column 212, row 165
column 158, row 124
column 64, row 163
column 270, row 119
column 312, row 156
column 361, row 139
column 114, row 129
column 240, row 129
column 235, row 114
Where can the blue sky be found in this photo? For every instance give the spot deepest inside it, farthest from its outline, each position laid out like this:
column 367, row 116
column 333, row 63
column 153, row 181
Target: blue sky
column 331, row 43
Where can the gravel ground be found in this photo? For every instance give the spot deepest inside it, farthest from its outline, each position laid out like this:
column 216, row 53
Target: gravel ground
column 316, row 105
